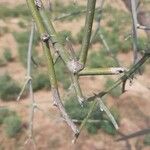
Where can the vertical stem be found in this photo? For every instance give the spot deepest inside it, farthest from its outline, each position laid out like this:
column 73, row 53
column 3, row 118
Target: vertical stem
column 134, row 34
column 74, row 77
column 33, row 104
column 88, row 30
column 108, row 49
column 77, row 88
column 101, row 4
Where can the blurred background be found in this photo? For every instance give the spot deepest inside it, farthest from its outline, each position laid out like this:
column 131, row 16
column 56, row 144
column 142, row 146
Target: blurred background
column 130, row 109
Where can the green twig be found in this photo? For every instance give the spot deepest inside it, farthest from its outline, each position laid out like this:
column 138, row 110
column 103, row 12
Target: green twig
column 101, row 4
column 104, row 108
column 87, row 30
column 74, row 77
column 64, row 16
column 107, row 48
column 134, row 34
column 77, row 88
column 101, row 71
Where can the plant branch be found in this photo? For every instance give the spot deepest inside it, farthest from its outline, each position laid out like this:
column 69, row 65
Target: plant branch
column 87, row 30
column 101, row 4
column 74, row 77
column 104, row 108
column 143, row 27
column 134, row 32
column 64, row 16
column 108, row 49
column 101, row 71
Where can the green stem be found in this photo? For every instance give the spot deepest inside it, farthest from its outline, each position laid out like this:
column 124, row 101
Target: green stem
column 77, row 88
column 100, row 12
column 74, row 77
column 101, row 71
column 88, row 29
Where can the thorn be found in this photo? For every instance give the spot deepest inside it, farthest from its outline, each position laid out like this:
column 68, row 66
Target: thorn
column 38, row 3
column 45, row 37
column 55, row 104
column 81, row 101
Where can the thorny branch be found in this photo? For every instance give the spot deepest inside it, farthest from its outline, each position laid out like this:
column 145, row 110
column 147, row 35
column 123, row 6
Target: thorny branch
column 134, row 30
column 76, row 67
column 88, row 29
column 33, row 104
column 29, row 83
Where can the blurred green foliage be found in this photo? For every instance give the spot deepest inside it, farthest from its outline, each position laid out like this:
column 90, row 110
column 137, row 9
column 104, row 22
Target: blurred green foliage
column 78, row 113
column 2, row 62
column 63, row 35
column 60, row 9
column 7, row 54
column 147, row 139
column 22, row 24
column 12, row 125
column 5, row 112
column 98, row 59
column 4, row 30
column 40, row 81
column 17, row 11
column 10, row 121
column 9, row 89
column 116, row 92
column 22, row 39
column 62, row 74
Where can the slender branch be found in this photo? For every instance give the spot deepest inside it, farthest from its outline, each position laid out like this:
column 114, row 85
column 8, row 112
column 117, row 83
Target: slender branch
column 107, row 48
column 101, row 71
column 143, row 27
column 74, row 77
column 134, row 34
column 89, row 121
column 77, row 88
column 97, row 31
column 104, row 108
column 31, row 136
column 23, row 88
column 101, row 4
column 85, row 120
column 88, row 28
column 29, row 83
column 64, row 16
column 135, row 134
column 51, row 72
column 29, row 58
